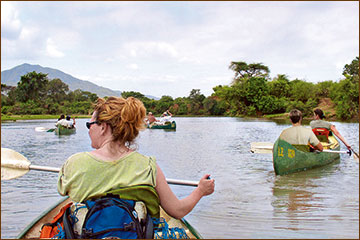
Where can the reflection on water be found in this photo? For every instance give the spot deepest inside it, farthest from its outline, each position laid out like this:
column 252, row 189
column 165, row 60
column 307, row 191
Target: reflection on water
column 249, row 200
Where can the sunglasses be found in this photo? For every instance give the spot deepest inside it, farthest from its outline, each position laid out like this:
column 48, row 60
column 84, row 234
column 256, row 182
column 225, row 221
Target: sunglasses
column 88, row 124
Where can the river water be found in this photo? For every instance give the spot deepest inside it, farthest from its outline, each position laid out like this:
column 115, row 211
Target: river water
column 249, row 200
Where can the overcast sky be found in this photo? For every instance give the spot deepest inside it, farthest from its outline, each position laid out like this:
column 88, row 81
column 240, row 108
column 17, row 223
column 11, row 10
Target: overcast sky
column 170, row 48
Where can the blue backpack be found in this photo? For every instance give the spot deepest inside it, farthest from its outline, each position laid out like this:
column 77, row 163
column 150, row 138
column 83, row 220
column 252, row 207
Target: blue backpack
column 112, row 217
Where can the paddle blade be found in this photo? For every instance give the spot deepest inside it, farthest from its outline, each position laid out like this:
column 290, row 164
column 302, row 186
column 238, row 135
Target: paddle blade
column 261, row 147
column 356, row 156
column 41, row 129
column 13, row 164
column 51, row 130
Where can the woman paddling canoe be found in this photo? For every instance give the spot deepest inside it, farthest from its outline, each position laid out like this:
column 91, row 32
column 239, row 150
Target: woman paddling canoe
column 319, row 122
column 115, row 168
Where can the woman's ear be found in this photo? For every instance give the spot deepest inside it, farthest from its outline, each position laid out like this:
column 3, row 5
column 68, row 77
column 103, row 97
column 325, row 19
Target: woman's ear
column 104, row 127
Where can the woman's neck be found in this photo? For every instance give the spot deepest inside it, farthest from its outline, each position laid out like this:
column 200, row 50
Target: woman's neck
column 110, row 151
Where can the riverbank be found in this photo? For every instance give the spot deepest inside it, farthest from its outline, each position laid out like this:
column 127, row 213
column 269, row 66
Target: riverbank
column 35, row 117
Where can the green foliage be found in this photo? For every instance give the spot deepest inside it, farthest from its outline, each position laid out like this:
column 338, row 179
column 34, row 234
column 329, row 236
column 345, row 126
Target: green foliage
column 196, row 97
column 32, row 86
column 280, row 86
column 243, row 70
column 164, row 104
column 352, row 69
column 269, row 104
column 301, row 90
column 78, row 107
column 324, row 89
column 196, row 101
column 251, row 93
column 219, row 108
column 347, row 98
column 57, row 90
column 133, row 94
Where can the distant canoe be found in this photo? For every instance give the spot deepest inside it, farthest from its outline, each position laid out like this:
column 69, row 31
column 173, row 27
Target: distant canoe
column 60, row 130
column 167, row 125
column 288, row 159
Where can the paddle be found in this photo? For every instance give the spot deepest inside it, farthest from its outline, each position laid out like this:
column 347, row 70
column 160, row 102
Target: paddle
column 357, row 155
column 267, row 147
column 42, row 129
column 14, row 165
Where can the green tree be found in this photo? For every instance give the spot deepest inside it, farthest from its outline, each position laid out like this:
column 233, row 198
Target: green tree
column 347, row 92
column 243, row 70
column 32, row 86
column 196, row 99
column 57, row 90
column 80, row 96
column 324, row 89
column 301, row 90
column 8, row 96
column 196, row 96
column 352, row 69
column 280, row 86
column 137, row 95
column 164, row 104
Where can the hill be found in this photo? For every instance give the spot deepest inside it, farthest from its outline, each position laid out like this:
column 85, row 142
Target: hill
column 12, row 76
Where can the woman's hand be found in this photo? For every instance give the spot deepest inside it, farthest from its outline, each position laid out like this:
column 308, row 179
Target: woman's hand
column 206, row 185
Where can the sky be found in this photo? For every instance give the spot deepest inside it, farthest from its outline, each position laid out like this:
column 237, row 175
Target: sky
column 169, row 48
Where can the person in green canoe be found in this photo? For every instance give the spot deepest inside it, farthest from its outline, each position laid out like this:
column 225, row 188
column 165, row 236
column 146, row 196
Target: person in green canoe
column 319, row 122
column 298, row 134
column 115, row 167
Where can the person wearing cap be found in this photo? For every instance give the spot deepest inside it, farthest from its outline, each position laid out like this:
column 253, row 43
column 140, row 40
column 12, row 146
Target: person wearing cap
column 166, row 116
column 70, row 124
column 318, row 122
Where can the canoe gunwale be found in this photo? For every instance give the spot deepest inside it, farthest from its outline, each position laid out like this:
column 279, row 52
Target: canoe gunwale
column 23, row 233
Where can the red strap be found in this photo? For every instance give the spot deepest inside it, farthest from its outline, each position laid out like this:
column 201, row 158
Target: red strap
column 321, row 131
column 50, row 230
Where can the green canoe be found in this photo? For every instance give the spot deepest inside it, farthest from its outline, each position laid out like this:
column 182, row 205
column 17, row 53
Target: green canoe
column 167, row 125
column 60, row 130
column 289, row 159
column 32, row 231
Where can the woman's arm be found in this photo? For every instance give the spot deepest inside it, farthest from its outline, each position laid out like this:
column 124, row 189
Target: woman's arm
column 336, row 132
column 179, row 208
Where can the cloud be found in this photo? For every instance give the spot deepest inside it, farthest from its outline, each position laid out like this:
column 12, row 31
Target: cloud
column 151, row 49
column 10, row 23
column 173, row 47
column 52, row 49
column 133, row 66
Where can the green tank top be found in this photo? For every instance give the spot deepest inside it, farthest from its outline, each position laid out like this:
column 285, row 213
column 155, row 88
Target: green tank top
column 83, row 176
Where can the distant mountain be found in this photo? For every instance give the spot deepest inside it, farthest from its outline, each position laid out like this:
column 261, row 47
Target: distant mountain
column 12, row 76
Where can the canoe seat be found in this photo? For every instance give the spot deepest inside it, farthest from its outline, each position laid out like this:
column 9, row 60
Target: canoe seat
column 304, row 148
column 322, row 134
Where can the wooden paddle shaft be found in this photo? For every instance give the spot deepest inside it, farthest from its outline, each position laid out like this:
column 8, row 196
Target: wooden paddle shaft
column 170, row 181
column 333, row 151
column 182, row 182
column 44, row 168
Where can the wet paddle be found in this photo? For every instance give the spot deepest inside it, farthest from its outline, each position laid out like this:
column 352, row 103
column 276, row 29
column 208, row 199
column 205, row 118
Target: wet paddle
column 14, row 165
column 43, row 129
column 267, row 147
column 357, row 155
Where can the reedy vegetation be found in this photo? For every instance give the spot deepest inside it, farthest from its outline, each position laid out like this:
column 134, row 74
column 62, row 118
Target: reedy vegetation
column 251, row 93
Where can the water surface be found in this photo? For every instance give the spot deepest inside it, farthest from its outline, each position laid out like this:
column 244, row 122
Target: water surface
column 249, row 200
